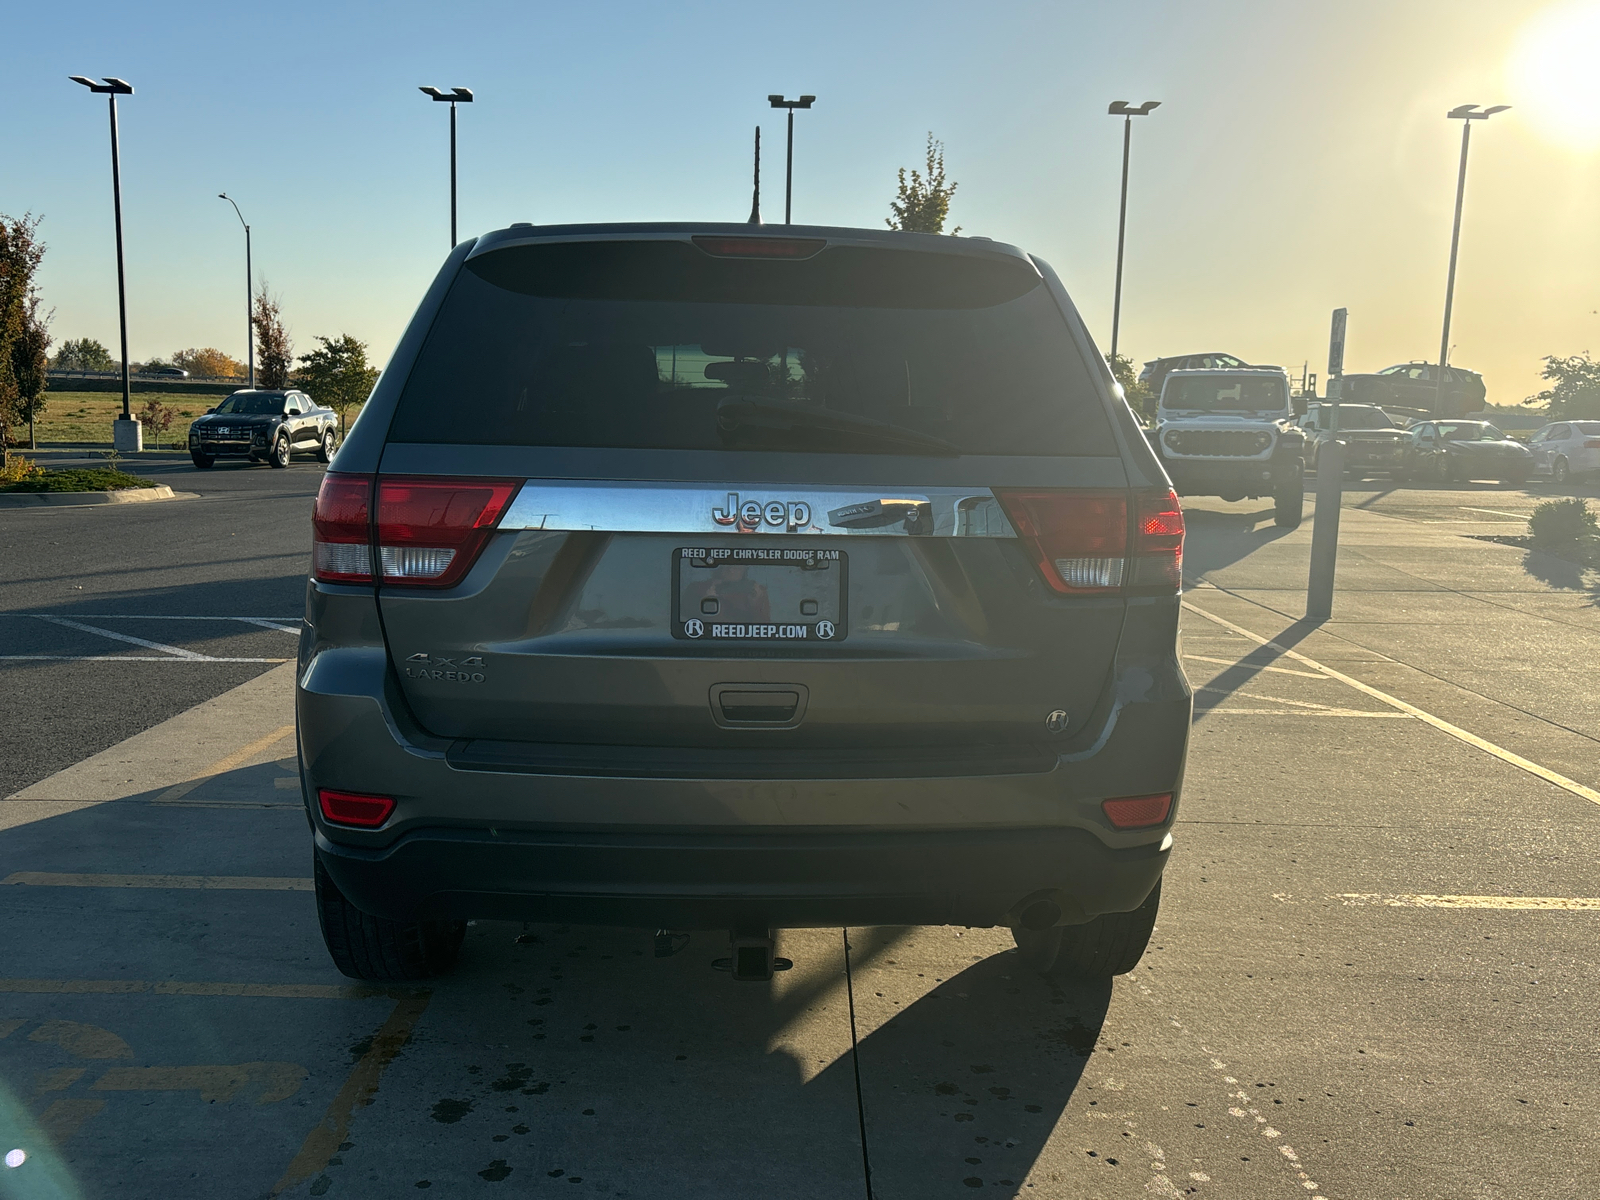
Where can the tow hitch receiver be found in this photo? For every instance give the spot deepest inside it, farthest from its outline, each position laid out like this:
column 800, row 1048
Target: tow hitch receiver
column 752, row 960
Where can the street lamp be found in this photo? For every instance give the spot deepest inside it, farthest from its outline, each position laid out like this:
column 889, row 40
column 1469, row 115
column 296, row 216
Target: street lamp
column 1466, row 114
column 126, row 432
column 453, row 97
column 788, row 171
column 249, row 291
column 1120, row 108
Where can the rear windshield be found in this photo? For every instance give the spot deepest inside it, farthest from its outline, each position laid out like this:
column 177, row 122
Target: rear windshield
column 663, row 345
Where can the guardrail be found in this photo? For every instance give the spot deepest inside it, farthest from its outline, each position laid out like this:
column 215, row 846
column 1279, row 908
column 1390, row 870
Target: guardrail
column 111, row 381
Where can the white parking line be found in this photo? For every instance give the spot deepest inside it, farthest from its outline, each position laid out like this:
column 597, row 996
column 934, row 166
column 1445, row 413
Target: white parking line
column 236, row 883
column 175, row 651
column 155, row 617
column 162, row 658
column 1494, row 511
column 1439, row 723
column 1229, row 662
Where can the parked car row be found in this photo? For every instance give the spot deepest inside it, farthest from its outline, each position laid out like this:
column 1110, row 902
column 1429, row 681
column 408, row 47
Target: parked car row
column 1230, row 431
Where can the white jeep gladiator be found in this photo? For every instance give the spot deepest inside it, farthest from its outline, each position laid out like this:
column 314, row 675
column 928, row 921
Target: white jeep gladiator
column 1230, row 433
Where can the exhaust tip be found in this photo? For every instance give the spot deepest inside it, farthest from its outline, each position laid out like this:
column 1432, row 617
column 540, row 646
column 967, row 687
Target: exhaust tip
column 1041, row 914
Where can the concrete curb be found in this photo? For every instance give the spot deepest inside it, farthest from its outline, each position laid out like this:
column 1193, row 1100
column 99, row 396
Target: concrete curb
column 79, row 499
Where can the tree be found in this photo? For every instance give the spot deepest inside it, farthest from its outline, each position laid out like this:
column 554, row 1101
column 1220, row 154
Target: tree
column 20, row 255
column 1576, row 394
column 338, row 375
column 924, row 203
column 156, row 417
column 83, row 354
column 274, row 350
column 30, row 365
column 1134, row 388
column 209, row 361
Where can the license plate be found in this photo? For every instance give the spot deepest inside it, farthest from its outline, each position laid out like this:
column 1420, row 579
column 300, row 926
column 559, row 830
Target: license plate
column 759, row 594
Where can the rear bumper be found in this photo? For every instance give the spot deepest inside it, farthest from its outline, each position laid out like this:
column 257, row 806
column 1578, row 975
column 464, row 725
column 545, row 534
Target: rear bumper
column 1212, row 476
column 557, row 840
column 724, row 880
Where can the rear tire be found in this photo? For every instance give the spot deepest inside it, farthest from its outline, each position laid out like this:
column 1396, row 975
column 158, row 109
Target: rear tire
column 1111, row 944
column 367, row 947
column 1289, row 503
column 326, row 447
column 203, row 461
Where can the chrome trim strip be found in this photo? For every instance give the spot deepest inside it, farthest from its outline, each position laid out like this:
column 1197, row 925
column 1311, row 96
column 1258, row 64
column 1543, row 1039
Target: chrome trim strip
column 738, row 508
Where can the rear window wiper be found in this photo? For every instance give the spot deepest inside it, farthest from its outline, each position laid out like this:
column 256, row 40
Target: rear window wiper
column 746, row 412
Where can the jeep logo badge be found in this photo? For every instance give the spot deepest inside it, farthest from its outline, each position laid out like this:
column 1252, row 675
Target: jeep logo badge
column 753, row 514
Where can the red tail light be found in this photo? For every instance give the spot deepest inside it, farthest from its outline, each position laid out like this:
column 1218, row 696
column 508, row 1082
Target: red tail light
column 431, row 531
column 1138, row 812
column 1591, row 443
column 341, row 530
column 354, row 808
column 1158, row 542
column 1079, row 540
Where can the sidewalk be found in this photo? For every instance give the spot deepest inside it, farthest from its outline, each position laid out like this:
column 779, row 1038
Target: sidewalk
column 1489, row 637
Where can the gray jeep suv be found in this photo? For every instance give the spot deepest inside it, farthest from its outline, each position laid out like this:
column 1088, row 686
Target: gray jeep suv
column 707, row 577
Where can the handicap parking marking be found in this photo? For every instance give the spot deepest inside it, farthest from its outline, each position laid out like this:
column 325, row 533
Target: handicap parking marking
column 75, row 1071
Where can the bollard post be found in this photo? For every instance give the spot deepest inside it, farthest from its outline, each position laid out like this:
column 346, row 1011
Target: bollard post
column 1325, row 530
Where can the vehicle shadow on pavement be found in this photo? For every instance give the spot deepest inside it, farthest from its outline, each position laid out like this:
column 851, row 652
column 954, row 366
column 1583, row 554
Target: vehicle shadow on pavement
column 1214, row 540
column 963, row 1086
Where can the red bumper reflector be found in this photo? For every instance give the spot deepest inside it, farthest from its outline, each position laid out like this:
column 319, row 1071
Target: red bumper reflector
column 354, row 808
column 1138, row 812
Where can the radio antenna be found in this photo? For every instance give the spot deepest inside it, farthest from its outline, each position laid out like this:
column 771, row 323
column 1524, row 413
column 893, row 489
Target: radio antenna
column 755, row 199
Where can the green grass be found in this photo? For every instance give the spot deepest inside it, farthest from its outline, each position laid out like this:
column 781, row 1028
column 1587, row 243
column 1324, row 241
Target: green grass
column 87, row 417
column 78, row 479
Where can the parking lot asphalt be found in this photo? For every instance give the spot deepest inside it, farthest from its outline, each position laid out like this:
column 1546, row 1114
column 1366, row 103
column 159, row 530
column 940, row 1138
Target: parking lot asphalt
column 1372, row 975
column 197, row 576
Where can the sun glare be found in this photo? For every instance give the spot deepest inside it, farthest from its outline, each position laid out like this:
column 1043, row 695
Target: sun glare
column 1554, row 73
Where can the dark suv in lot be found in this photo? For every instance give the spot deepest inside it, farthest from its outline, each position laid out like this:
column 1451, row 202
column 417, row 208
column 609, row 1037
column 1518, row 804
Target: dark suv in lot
column 700, row 577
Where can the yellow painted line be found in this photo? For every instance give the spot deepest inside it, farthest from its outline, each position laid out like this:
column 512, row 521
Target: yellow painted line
column 238, row 757
column 361, row 1087
column 231, row 883
column 174, row 987
column 1439, row 723
column 1512, row 903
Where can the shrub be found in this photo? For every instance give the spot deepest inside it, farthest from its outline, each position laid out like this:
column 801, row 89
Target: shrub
column 1562, row 521
column 17, row 468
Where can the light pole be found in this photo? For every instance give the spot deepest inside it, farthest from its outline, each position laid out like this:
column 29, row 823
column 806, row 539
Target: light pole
column 126, row 432
column 788, row 170
column 249, row 292
column 453, row 97
column 1119, row 108
column 1466, row 114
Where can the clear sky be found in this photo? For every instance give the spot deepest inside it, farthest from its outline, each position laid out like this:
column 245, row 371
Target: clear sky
column 1300, row 160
